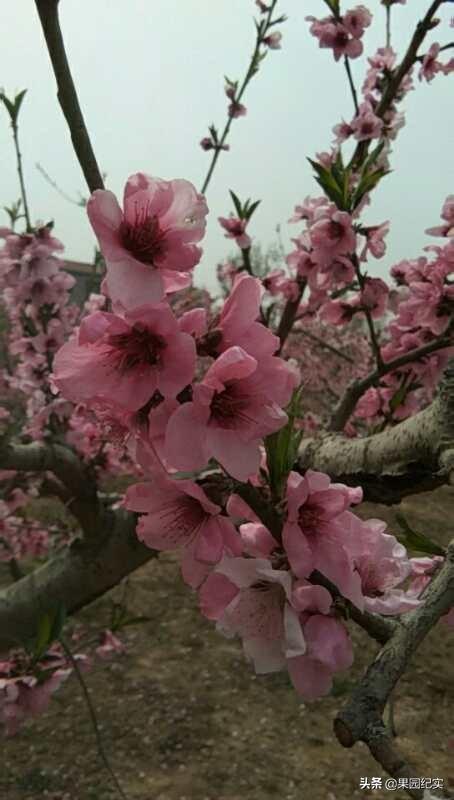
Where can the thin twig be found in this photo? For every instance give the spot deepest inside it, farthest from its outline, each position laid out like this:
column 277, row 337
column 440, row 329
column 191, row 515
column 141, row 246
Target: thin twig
column 352, row 85
column 370, row 323
column 326, row 345
column 388, row 25
column 21, row 175
column 57, row 188
column 246, row 255
column 67, row 94
column 249, row 74
column 356, row 390
column 398, row 75
column 289, row 314
column 94, row 720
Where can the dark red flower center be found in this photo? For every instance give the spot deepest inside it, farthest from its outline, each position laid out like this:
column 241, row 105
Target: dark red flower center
column 309, row 519
column 336, row 231
column 137, row 347
column 143, row 238
column 341, row 39
column 228, row 408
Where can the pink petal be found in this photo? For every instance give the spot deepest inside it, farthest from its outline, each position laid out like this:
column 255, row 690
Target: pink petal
column 299, row 552
column 216, row 594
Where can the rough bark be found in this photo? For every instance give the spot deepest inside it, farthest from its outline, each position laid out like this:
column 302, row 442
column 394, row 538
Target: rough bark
column 362, row 717
column 73, row 579
column 415, row 455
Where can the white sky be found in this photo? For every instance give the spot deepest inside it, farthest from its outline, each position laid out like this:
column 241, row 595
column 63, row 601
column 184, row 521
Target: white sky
column 150, row 80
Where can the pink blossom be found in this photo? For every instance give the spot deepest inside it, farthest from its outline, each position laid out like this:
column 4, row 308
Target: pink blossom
column 366, row 125
column 110, row 645
column 316, row 533
column 307, row 209
column 236, row 109
column 238, row 402
column 250, row 598
column 384, row 58
column 126, row 358
column 329, row 650
column 332, row 234
column 383, row 565
column 430, row 66
column 273, row 40
column 369, row 405
column 154, row 239
column 208, row 143
column 375, row 240
column 179, row 515
column 238, row 324
column 374, row 296
column 447, row 214
column 356, row 20
column 336, row 36
column 236, row 229
column 342, row 132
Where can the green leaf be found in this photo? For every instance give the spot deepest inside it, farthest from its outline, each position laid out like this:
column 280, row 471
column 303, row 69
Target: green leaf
column 417, row 541
column 13, row 107
column 42, row 636
column 18, row 101
column 58, row 623
column 367, row 183
column 252, row 208
column 327, row 180
column 237, row 204
column 125, row 623
column 282, row 448
column 372, row 158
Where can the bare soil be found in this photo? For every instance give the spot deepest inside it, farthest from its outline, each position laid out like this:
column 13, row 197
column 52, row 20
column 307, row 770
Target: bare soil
column 183, row 717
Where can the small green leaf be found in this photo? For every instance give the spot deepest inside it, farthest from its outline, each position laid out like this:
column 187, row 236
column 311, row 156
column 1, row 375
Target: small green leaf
column 417, row 541
column 8, row 105
column 367, row 183
column 13, row 107
column 58, row 623
column 18, row 102
column 372, row 158
column 282, row 447
column 237, row 204
column 252, row 208
column 128, row 621
column 42, row 636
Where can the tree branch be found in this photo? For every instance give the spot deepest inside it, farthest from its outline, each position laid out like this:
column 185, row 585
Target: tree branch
column 356, row 390
column 251, row 71
column 67, row 95
column 289, row 314
column 73, row 579
column 78, row 480
column 419, row 449
column 362, row 717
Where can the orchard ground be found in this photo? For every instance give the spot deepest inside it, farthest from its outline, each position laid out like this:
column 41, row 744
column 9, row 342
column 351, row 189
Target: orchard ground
column 184, row 718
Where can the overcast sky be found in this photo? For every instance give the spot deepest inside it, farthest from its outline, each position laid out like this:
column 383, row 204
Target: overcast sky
column 150, row 80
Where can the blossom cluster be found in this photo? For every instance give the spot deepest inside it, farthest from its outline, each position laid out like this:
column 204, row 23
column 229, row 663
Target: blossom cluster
column 261, row 587
column 342, row 34
column 139, row 362
column 28, row 680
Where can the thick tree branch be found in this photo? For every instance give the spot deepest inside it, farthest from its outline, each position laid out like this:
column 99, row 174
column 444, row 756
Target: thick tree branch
column 67, row 95
column 73, row 579
column 78, row 482
column 415, row 455
column 362, row 717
